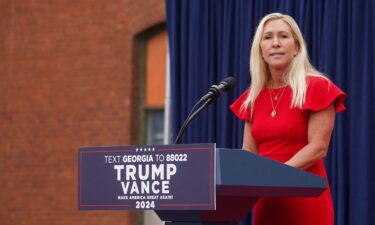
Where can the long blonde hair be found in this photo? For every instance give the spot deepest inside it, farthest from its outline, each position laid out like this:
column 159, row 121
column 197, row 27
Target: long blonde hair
column 299, row 68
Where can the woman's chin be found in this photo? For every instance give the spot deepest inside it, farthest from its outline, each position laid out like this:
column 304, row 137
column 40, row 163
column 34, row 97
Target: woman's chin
column 278, row 66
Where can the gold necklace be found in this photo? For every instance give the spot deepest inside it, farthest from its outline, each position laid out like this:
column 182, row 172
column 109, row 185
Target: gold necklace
column 275, row 95
column 274, row 113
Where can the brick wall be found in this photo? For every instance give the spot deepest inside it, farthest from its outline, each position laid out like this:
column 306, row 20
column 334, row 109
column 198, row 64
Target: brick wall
column 67, row 79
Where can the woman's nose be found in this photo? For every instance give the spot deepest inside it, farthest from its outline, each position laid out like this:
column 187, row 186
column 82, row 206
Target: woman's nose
column 275, row 42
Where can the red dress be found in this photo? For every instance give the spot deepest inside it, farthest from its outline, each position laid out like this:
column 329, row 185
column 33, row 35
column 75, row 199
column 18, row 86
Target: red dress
column 280, row 137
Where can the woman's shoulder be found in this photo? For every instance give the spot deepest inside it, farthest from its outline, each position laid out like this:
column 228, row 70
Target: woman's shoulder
column 238, row 106
column 317, row 79
column 318, row 82
column 321, row 92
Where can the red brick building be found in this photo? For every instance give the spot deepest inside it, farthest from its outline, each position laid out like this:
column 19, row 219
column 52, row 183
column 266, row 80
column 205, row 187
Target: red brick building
column 70, row 76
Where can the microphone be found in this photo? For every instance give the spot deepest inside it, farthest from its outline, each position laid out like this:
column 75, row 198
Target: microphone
column 215, row 90
column 213, row 93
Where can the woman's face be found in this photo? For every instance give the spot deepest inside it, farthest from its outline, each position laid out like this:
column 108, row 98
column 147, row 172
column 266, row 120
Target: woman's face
column 278, row 45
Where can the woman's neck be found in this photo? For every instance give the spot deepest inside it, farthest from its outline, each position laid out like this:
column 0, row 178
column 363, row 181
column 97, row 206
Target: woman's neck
column 277, row 80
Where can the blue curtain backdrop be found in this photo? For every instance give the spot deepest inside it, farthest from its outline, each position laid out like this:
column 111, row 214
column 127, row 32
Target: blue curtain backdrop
column 210, row 40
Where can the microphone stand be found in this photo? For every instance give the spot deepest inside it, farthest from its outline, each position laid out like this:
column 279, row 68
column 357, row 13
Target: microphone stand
column 194, row 112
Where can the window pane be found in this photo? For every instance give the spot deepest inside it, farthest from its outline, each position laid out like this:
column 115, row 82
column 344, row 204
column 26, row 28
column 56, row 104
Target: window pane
column 155, row 126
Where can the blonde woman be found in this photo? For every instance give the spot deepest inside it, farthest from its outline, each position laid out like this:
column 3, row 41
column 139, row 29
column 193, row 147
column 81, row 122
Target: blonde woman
column 289, row 112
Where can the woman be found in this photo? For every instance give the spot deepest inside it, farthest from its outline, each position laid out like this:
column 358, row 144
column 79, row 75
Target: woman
column 289, row 113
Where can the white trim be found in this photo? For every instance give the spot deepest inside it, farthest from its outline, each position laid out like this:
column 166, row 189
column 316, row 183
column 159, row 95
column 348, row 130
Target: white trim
column 167, row 102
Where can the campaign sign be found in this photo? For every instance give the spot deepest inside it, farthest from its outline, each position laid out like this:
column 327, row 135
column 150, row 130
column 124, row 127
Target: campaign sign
column 160, row 177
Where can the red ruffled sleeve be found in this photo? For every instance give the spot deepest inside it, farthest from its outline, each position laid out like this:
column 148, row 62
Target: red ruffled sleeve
column 241, row 112
column 321, row 93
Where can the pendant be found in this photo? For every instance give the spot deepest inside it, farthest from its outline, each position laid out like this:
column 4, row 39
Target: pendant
column 273, row 113
column 276, row 98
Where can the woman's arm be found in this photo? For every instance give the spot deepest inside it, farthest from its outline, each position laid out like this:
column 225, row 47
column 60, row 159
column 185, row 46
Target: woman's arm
column 320, row 126
column 248, row 140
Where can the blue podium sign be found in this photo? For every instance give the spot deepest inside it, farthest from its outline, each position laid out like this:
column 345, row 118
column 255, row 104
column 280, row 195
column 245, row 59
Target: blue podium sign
column 158, row 177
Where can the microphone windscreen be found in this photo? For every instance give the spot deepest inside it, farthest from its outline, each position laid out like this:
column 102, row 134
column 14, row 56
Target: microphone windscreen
column 230, row 83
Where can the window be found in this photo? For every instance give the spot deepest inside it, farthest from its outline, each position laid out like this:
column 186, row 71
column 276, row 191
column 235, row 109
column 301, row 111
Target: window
column 155, row 83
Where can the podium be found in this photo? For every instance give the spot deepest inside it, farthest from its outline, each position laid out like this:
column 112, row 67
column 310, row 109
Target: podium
column 241, row 179
column 208, row 185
